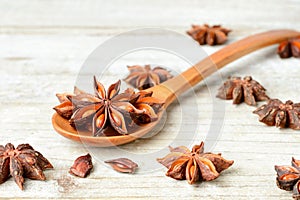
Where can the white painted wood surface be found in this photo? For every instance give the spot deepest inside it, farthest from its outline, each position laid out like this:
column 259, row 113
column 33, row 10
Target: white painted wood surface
column 43, row 45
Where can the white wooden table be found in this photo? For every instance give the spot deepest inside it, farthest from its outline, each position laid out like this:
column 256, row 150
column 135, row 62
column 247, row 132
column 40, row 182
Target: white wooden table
column 43, row 45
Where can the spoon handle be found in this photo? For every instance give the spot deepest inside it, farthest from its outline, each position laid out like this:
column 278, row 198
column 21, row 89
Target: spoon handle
column 209, row 65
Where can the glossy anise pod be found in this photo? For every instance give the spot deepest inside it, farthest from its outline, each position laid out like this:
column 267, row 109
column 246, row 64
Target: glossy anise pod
column 288, row 176
column 143, row 77
column 123, row 112
column 22, row 162
column 289, row 48
column 279, row 114
column 123, row 165
column 211, row 35
column 194, row 165
column 82, row 166
column 242, row 90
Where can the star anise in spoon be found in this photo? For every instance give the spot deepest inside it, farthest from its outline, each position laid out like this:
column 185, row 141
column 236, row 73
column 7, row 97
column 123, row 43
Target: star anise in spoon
column 211, row 35
column 279, row 114
column 21, row 162
column 143, row 77
column 246, row 89
column 123, row 112
column 289, row 48
column 194, row 165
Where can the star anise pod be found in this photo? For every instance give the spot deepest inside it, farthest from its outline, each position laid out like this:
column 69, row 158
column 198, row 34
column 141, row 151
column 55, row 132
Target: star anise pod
column 211, row 35
column 246, row 89
column 123, row 112
column 289, row 48
column 194, row 165
column 276, row 113
column 21, row 162
column 143, row 77
column 288, row 177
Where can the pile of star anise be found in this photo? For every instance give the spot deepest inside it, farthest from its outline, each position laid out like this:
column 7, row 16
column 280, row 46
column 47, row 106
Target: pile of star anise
column 194, row 165
column 123, row 112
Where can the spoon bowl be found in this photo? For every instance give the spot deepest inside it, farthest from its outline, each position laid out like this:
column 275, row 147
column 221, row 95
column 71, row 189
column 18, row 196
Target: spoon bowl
column 169, row 90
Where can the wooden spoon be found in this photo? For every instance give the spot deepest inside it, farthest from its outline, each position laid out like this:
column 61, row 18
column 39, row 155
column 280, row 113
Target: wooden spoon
column 168, row 90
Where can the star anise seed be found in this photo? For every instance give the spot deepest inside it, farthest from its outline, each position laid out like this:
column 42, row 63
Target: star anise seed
column 211, row 35
column 246, row 89
column 82, row 166
column 289, row 48
column 123, row 112
column 21, row 162
column 143, row 77
column 288, row 177
column 194, row 165
column 123, row 165
column 276, row 113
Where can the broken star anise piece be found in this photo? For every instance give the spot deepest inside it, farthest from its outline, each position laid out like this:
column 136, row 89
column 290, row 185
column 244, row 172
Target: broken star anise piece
column 246, row 89
column 194, row 165
column 276, row 113
column 82, row 166
column 288, row 176
column 123, row 165
column 211, row 35
column 21, row 162
column 289, row 48
column 143, row 77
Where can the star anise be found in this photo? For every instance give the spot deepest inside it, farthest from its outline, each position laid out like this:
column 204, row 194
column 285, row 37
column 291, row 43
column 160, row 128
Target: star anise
column 288, row 177
column 144, row 77
column 123, row 165
column 276, row 113
column 211, row 35
column 82, row 166
column 123, row 112
column 194, row 165
column 21, row 162
column 246, row 89
column 65, row 109
column 289, row 48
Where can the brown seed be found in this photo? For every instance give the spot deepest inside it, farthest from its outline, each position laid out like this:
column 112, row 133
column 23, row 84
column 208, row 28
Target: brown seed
column 82, row 166
column 123, row 165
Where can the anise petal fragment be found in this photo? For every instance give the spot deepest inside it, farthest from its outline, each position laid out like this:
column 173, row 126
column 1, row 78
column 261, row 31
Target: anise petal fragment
column 4, row 169
column 169, row 159
column 123, row 165
column 82, row 166
column 296, row 191
column 178, row 168
column 16, row 171
column 192, row 172
column 207, row 168
column 219, row 162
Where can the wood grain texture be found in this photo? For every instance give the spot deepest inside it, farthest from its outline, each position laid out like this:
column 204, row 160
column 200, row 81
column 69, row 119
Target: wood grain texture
column 43, row 45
